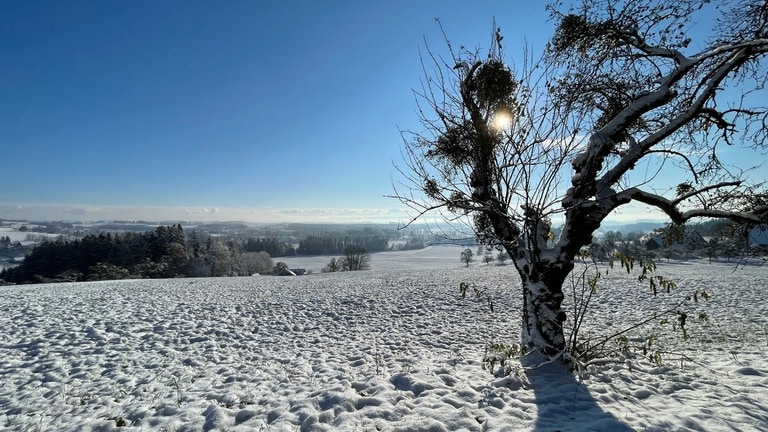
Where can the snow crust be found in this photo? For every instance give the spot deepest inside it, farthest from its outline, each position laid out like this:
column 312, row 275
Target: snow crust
column 390, row 350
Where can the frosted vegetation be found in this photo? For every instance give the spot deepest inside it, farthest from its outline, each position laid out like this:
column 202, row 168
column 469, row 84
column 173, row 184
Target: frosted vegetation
column 393, row 348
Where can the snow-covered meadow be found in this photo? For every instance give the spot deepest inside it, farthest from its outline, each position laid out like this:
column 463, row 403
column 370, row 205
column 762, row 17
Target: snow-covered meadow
column 393, row 348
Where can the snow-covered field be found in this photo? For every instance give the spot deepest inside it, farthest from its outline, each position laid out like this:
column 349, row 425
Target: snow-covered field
column 431, row 258
column 393, row 348
column 15, row 235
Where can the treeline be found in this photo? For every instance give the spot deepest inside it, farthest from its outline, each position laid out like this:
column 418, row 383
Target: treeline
column 165, row 252
column 331, row 244
column 324, row 244
column 271, row 245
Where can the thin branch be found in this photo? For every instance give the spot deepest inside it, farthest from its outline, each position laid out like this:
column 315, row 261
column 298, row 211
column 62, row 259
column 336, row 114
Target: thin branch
column 682, row 156
column 653, row 317
column 669, row 207
column 704, row 189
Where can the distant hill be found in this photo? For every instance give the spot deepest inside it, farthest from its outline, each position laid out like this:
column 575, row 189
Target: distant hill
column 629, row 226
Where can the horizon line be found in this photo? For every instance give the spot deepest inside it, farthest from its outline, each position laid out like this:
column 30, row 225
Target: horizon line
column 67, row 212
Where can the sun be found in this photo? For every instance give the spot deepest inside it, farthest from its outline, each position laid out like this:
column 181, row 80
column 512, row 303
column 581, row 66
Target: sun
column 501, row 120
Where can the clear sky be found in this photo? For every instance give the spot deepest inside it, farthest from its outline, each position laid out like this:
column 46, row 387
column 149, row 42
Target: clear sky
column 235, row 110
column 262, row 111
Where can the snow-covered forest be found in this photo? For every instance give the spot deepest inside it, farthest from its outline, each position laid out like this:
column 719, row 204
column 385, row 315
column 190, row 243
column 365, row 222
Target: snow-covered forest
column 173, row 251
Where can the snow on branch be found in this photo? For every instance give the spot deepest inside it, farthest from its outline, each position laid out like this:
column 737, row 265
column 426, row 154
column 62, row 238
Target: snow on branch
column 671, row 206
column 704, row 92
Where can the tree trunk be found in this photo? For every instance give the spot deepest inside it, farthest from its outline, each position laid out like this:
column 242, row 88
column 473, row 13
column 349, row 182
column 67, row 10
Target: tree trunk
column 543, row 315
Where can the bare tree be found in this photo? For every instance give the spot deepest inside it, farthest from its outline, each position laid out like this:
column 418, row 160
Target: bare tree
column 355, row 258
column 466, row 256
column 332, row 266
column 488, row 258
column 621, row 98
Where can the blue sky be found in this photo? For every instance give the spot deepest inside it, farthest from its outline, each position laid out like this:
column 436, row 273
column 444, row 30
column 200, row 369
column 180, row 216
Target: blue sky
column 236, row 110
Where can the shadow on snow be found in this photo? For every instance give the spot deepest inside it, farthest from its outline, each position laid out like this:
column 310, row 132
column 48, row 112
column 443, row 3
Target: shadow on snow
column 565, row 404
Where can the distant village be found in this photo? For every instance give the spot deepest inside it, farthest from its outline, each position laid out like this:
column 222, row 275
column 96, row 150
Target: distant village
column 711, row 240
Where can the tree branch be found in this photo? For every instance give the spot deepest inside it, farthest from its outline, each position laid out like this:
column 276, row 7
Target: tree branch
column 670, row 207
column 738, row 56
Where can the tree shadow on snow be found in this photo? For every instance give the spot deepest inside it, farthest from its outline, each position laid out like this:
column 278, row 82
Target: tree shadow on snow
column 564, row 404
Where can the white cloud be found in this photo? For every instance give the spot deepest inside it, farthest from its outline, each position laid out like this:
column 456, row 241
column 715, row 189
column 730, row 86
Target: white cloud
column 68, row 212
column 85, row 213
